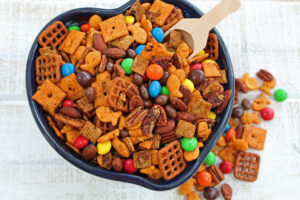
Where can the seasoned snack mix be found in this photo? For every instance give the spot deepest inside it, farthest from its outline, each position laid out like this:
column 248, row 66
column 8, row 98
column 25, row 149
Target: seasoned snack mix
column 124, row 97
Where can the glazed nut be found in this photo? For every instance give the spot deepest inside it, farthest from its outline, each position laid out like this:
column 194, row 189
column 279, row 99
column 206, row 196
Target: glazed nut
column 241, row 85
column 185, row 116
column 265, row 75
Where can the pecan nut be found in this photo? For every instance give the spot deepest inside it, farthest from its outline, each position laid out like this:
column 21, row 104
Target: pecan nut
column 226, row 191
column 186, row 116
column 241, row 85
column 118, row 71
column 178, row 104
column 135, row 117
column 131, row 91
column 164, row 62
column 215, row 99
column 134, row 102
column 103, row 64
column 265, row 75
column 177, row 61
column 216, row 173
column 162, row 118
column 227, row 95
column 186, row 92
column 150, row 120
column 239, row 131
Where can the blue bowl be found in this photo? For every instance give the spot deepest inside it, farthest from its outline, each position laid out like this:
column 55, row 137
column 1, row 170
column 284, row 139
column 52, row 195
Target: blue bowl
column 81, row 14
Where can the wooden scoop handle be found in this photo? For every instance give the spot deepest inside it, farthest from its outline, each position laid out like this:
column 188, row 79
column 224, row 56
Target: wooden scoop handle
column 218, row 13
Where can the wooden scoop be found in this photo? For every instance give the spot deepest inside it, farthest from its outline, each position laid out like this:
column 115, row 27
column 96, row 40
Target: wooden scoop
column 195, row 30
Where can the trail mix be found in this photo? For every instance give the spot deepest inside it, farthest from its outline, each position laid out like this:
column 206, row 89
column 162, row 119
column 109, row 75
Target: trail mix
column 123, row 96
column 239, row 136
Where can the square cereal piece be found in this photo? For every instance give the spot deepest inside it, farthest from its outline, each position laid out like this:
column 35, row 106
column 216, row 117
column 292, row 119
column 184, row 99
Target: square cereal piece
column 91, row 132
column 113, row 28
column 140, row 65
column 175, row 39
column 200, row 108
column 71, row 86
column 72, row 41
column 223, row 78
column 49, row 96
column 138, row 10
column 254, row 136
column 142, row 159
column 228, row 154
column 185, row 129
column 210, row 70
column 164, row 10
column 123, row 42
column 84, row 104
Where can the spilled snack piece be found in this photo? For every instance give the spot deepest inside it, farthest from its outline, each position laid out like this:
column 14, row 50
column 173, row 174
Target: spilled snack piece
column 127, row 96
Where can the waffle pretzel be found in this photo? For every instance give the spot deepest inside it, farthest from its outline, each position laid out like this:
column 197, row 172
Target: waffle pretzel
column 246, row 166
column 53, row 35
column 212, row 46
column 170, row 160
column 48, row 67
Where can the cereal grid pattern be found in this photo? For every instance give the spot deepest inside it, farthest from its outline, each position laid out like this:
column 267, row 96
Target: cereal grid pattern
column 53, row 35
column 48, row 67
column 247, row 166
column 212, row 46
column 170, row 160
column 119, row 86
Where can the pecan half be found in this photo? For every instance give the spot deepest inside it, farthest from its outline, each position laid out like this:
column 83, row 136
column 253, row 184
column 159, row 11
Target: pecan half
column 178, row 103
column 102, row 65
column 135, row 101
column 265, row 75
column 185, row 116
column 226, row 191
column 209, row 87
column 215, row 99
column 150, row 120
column 131, row 91
column 216, row 173
column 162, row 118
column 227, row 95
column 177, row 61
column 241, row 85
column 135, row 117
column 165, row 62
column 118, row 71
column 186, row 92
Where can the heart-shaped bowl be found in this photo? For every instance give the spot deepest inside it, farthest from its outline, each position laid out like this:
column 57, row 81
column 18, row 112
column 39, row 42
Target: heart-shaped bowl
column 189, row 11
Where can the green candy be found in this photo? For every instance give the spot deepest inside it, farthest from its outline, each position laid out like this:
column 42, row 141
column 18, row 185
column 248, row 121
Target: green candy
column 189, row 144
column 280, row 95
column 210, row 159
column 164, row 91
column 127, row 64
column 76, row 28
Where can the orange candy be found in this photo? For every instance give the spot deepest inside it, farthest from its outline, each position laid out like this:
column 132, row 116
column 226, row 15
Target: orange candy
column 230, row 134
column 204, row 178
column 154, row 72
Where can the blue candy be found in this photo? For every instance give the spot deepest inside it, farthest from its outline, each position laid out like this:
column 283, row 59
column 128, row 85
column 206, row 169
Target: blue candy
column 158, row 34
column 154, row 89
column 227, row 128
column 67, row 69
column 139, row 49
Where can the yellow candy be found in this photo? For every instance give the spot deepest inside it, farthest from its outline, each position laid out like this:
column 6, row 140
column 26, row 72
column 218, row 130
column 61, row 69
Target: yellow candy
column 104, row 148
column 202, row 52
column 212, row 115
column 189, row 83
column 129, row 19
column 208, row 60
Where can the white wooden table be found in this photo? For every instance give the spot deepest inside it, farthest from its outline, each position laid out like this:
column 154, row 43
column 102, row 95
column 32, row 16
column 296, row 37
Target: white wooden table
column 263, row 34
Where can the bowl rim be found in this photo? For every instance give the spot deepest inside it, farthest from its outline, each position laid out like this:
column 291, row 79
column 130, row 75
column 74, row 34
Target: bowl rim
column 111, row 175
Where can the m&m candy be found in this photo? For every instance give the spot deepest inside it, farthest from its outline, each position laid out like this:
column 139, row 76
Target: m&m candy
column 127, row 64
column 189, row 83
column 225, row 167
column 81, row 142
column 154, row 72
column 67, row 69
column 280, row 95
column 189, row 144
column 158, row 34
column 210, row 159
column 129, row 166
column 76, row 28
column 204, row 178
column 154, row 89
column 129, row 19
column 104, row 148
column 267, row 113
column 196, row 66
column 68, row 103
column 85, row 28
column 138, row 50
column 165, row 90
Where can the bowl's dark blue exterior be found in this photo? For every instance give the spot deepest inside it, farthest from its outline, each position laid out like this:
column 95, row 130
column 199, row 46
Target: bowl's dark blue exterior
column 40, row 116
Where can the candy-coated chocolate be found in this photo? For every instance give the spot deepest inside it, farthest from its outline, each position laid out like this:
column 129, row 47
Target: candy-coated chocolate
column 138, row 50
column 154, row 89
column 68, row 103
column 196, row 66
column 204, row 178
column 226, row 128
column 129, row 19
column 154, row 72
column 164, row 90
column 202, row 52
column 127, row 64
column 210, row 159
column 158, row 34
column 196, row 76
column 76, row 28
column 85, row 28
column 280, row 95
column 267, row 113
column 225, row 167
column 67, row 69
column 104, row 148
column 189, row 144
column 230, row 134
column 212, row 115
column 129, row 166
column 81, row 142
column 189, row 83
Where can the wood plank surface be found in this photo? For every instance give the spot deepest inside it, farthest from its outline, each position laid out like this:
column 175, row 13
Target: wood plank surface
column 263, row 34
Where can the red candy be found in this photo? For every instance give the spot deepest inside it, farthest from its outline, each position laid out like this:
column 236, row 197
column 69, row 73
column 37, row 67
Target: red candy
column 154, row 72
column 68, row 103
column 230, row 134
column 85, row 27
column 204, row 178
column 129, row 166
column 267, row 113
column 225, row 167
column 196, row 66
column 81, row 142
